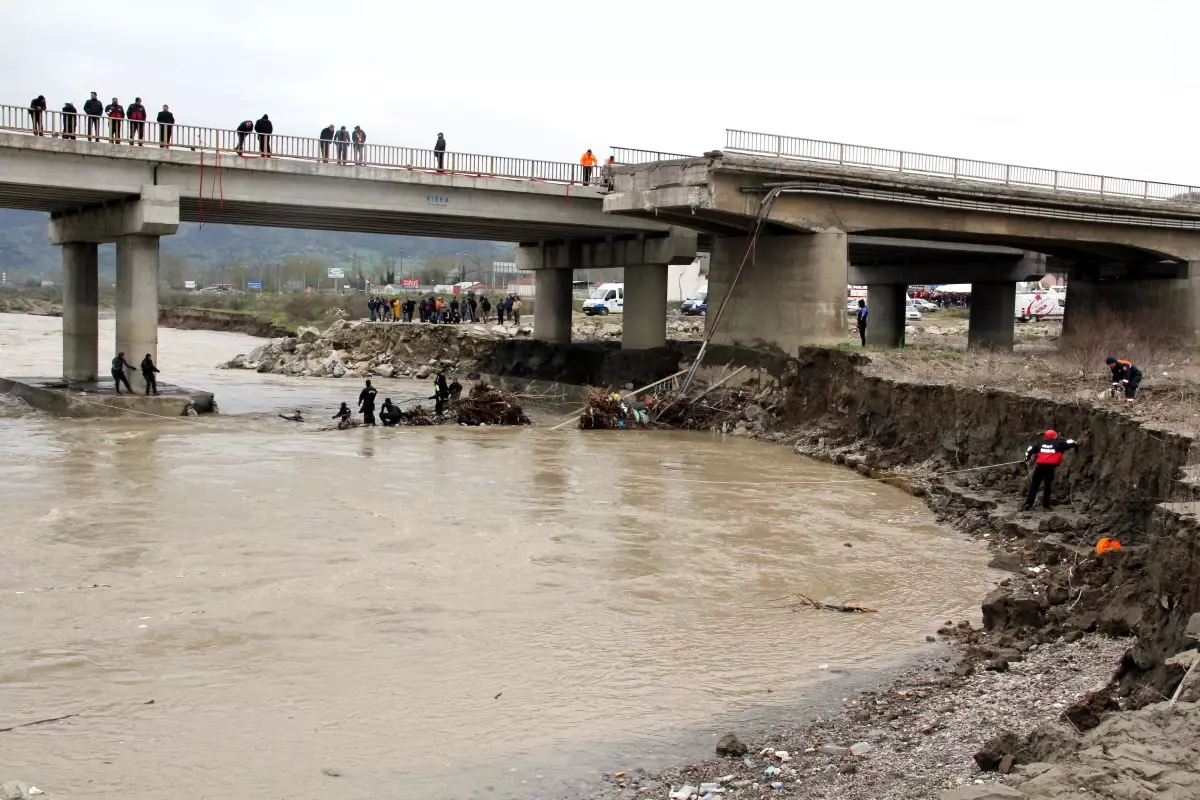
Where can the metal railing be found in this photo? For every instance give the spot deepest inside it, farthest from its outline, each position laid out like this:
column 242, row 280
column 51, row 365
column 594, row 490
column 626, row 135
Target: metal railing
column 631, row 155
column 853, row 155
column 81, row 127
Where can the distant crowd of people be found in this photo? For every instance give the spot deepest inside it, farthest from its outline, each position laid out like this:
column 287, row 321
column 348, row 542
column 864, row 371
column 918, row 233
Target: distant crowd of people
column 437, row 311
column 943, row 299
column 129, row 124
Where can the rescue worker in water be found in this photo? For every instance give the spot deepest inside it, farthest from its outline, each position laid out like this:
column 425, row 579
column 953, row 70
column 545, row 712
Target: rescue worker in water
column 1047, row 455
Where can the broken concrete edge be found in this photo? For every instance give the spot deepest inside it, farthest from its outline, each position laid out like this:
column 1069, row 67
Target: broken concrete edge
column 52, row 396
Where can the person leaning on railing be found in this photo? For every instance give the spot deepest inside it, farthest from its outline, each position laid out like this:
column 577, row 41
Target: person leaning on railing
column 166, row 126
column 359, row 137
column 589, row 162
column 36, row 107
column 69, row 113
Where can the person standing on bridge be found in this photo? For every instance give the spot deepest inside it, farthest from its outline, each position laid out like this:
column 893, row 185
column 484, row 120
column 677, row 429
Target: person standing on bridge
column 342, row 137
column 244, row 129
column 69, row 113
column 137, row 120
column 326, row 137
column 589, row 162
column 366, row 404
column 264, row 128
column 37, row 106
column 606, row 173
column 119, row 365
column 93, row 108
column 166, row 126
column 116, row 113
column 439, row 151
column 148, row 371
column 861, row 321
column 359, row 137
column 1049, row 454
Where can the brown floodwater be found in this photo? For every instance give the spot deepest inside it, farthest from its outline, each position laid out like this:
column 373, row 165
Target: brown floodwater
column 433, row 612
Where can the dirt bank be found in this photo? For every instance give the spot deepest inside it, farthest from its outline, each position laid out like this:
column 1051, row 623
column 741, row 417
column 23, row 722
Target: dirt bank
column 213, row 319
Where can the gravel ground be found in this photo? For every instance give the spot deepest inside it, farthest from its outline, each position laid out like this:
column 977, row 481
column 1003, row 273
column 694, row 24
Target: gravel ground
column 921, row 732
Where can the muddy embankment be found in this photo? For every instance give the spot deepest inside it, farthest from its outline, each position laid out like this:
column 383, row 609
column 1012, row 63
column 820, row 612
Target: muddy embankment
column 215, row 319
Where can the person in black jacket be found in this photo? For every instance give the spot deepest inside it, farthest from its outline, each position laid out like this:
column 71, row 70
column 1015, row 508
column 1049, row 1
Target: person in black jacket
column 342, row 137
column 389, row 414
column 116, row 113
column 439, row 150
column 1125, row 376
column 264, row 129
column 343, row 417
column 326, row 136
column 366, row 403
column 148, row 370
column 93, row 108
column 69, row 113
column 441, row 393
column 243, row 130
column 137, row 120
column 166, row 126
column 359, row 137
column 119, row 365
column 36, row 106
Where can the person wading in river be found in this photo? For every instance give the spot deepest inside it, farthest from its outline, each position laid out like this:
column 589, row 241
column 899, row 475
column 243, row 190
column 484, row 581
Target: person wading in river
column 366, row 404
column 1047, row 455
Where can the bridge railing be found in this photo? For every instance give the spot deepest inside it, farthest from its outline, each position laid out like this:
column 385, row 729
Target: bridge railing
column 632, row 155
column 81, row 127
column 949, row 167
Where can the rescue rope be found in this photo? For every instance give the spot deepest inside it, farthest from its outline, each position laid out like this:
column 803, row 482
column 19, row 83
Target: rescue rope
column 822, row 482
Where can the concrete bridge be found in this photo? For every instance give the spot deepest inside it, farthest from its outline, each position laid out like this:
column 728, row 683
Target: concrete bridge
column 117, row 191
column 1131, row 245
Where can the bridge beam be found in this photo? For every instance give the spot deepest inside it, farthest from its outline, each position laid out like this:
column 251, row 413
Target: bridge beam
column 792, row 293
column 81, row 317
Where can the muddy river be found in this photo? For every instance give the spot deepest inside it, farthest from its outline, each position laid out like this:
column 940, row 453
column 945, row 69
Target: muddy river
column 232, row 604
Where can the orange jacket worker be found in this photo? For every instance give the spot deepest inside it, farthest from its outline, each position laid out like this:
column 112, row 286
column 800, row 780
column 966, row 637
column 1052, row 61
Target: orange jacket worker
column 589, row 163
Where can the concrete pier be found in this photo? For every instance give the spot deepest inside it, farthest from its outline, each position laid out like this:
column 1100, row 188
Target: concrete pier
column 885, row 317
column 93, row 399
column 1165, row 308
column 791, row 293
column 645, row 307
column 993, row 306
column 81, row 319
column 552, row 314
column 137, row 302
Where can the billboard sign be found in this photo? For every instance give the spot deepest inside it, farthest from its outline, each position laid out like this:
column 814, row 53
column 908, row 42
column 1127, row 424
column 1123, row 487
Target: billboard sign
column 410, row 283
column 189, row 284
column 337, row 272
column 254, row 284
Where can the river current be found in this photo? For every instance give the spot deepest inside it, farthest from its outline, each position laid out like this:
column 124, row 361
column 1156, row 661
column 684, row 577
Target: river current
column 231, row 604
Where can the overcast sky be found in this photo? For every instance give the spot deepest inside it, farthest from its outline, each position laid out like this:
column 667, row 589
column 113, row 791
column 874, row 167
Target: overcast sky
column 1097, row 86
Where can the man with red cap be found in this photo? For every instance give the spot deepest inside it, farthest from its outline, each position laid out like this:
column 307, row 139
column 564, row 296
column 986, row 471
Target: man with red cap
column 1047, row 455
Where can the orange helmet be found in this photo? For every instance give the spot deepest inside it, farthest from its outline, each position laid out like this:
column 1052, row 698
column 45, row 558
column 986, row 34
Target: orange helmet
column 1051, row 434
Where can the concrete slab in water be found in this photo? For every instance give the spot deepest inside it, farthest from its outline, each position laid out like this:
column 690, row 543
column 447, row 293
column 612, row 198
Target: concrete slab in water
column 94, row 399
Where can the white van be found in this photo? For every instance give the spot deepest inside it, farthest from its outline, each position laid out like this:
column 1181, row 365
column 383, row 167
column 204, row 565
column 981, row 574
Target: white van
column 607, row 298
column 1040, row 305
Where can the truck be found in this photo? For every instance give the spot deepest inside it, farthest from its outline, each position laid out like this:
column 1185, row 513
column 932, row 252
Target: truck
column 697, row 304
column 1036, row 303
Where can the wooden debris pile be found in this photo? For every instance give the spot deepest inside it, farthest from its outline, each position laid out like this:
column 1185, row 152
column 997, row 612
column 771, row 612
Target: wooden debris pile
column 801, row 601
column 488, row 405
column 605, row 410
column 708, row 412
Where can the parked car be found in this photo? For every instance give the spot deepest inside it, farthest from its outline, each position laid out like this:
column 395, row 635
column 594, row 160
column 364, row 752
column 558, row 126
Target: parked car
column 924, row 305
column 696, row 305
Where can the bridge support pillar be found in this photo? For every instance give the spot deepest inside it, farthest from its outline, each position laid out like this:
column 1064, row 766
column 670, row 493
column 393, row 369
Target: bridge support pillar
column 885, row 314
column 137, row 301
column 552, row 305
column 81, row 317
column 993, row 306
column 1164, row 308
column 645, row 322
column 791, row 293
